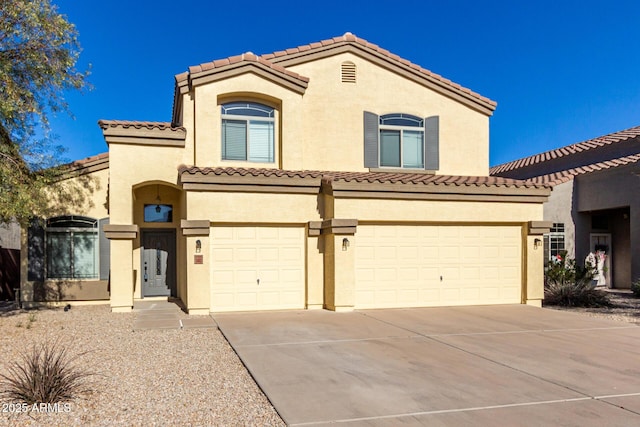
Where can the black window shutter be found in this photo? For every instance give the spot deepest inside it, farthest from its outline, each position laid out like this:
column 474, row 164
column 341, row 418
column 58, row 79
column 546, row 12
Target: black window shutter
column 105, row 250
column 35, row 252
column 432, row 143
column 371, row 135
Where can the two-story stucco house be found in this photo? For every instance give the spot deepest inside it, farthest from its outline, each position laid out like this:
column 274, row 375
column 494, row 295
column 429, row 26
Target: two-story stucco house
column 332, row 175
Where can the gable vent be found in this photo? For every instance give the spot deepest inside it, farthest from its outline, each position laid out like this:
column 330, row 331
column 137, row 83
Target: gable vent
column 348, row 72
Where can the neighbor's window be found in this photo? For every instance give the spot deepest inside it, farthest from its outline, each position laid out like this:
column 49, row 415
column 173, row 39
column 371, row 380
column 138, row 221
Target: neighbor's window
column 401, row 141
column 248, row 132
column 72, row 248
column 554, row 241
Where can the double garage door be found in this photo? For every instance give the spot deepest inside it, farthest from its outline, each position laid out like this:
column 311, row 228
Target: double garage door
column 420, row 266
column 257, row 268
column 263, row 268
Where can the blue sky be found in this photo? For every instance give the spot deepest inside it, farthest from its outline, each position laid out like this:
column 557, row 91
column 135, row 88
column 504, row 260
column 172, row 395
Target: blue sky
column 561, row 71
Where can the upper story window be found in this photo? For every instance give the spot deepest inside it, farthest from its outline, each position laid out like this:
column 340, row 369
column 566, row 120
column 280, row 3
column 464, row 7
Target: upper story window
column 72, row 248
column 248, row 132
column 401, row 141
column 396, row 141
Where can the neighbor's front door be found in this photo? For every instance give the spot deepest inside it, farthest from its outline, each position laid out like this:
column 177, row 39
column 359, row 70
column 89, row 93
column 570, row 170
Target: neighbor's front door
column 158, row 263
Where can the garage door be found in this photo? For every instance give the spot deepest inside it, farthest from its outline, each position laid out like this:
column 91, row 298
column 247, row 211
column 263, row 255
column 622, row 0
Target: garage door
column 257, row 268
column 419, row 266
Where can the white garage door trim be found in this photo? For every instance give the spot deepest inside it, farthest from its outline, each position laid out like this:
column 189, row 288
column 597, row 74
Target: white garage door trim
column 437, row 265
column 257, row 268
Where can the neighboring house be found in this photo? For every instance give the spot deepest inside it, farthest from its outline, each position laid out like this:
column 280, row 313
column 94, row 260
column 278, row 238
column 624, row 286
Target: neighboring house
column 594, row 205
column 332, row 175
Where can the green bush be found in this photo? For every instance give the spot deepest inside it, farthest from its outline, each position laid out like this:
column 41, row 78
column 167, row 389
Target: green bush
column 568, row 284
column 47, row 374
column 635, row 288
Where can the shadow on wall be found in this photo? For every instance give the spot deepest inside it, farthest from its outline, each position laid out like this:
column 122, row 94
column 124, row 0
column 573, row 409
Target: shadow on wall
column 9, row 273
column 61, row 290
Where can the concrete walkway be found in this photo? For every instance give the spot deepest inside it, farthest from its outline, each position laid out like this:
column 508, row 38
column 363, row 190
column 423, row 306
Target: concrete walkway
column 163, row 314
column 500, row 365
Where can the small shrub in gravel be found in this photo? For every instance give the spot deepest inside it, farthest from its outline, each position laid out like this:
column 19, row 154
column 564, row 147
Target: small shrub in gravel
column 568, row 284
column 575, row 294
column 46, row 374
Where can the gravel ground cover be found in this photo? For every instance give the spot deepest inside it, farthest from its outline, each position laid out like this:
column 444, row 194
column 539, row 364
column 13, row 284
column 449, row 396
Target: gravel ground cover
column 625, row 307
column 189, row 377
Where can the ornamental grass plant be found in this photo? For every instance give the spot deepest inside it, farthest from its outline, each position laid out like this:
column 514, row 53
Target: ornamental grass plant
column 48, row 373
column 571, row 285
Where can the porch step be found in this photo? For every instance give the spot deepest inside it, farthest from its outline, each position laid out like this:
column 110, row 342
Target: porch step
column 156, row 314
column 162, row 314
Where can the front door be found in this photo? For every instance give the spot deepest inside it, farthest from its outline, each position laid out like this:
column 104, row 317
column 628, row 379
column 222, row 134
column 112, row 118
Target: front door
column 158, row 263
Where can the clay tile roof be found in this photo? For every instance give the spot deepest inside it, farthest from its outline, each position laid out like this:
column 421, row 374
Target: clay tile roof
column 217, row 64
column 345, row 38
column 91, row 159
column 556, row 178
column 126, row 124
column 591, row 144
column 368, row 177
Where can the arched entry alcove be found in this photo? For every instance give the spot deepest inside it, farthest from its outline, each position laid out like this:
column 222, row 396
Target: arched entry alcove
column 157, row 210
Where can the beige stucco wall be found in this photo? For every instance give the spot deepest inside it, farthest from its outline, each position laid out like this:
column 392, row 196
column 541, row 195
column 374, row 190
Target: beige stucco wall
column 436, row 211
column 253, row 207
column 289, row 136
column 333, row 113
column 323, row 129
column 134, row 165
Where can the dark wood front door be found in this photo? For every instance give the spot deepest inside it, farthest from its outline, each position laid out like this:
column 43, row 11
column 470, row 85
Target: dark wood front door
column 158, row 263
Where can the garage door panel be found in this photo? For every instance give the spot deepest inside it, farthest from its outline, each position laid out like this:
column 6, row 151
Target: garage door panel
column 402, row 266
column 257, row 268
column 223, row 254
column 246, row 255
column 408, row 274
column 246, row 276
column 245, row 233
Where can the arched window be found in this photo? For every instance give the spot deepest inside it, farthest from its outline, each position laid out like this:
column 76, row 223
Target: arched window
column 248, row 132
column 72, row 248
column 401, row 141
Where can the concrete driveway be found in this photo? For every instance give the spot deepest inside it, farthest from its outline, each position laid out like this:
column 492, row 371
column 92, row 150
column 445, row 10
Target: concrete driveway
column 489, row 365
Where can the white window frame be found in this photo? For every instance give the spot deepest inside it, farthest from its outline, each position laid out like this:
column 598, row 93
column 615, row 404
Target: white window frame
column 555, row 241
column 268, row 117
column 420, row 128
column 71, row 231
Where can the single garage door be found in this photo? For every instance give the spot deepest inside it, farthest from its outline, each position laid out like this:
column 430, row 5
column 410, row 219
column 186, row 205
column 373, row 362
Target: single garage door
column 257, row 268
column 420, row 266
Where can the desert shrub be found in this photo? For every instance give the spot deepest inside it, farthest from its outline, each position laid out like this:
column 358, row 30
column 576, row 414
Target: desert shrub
column 46, row 374
column 568, row 284
column 635, row 288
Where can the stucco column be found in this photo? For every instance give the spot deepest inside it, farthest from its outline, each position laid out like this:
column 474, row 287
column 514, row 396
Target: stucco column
column 533, row 262
column 315, row 266
column 339, row 263
column 196, row 233
column 122, row 275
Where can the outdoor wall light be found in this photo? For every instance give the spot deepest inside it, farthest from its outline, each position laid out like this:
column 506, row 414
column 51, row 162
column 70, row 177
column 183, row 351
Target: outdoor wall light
column 345, row 244
column 198, row 246
column 158, row 209
column 536, row 243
